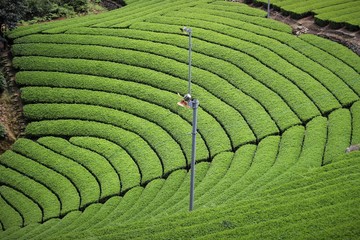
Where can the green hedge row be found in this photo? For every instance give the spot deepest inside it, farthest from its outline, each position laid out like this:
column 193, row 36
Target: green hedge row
column 62, row 187
column 161, row 142
column 330, row 65
column 262, row 160
column 301, row 79
column 152, row 104
column 61, row 26
column 203, row 78
column 224, row 69
column 182, row 192
column 279, row 48
column 310, row 156
column 130, row 12
column 251, row 22
column 226, row 60
column 29, row 210
column 85, row 183
column 248, row 215
column 170, row 187
column 355, row 123
column 156, row 116
column 129, row 199
column 217, row 170
column 339, row 135
column 160, row 9
column 140, row 151
column 240, row 164
column 103, row 171
column 10, row 217
column 232, row 7
column 210, row 104
column 334, row 11
column 47, row 201
column 289, row 150
column 116, row 155
column 147, row 196
column 105, row 211
column 338, row 51
column 316, row 70
column 92, row 214
column 314, row 144
column 307, row 73
column 344, row 17
column 210, row 81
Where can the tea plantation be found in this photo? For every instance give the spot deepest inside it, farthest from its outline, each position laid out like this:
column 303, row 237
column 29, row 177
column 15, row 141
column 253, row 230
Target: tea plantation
column 335, row 13
column 107, row 150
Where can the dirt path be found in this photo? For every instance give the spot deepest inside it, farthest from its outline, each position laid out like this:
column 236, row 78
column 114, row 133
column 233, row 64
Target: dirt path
column 11, row 114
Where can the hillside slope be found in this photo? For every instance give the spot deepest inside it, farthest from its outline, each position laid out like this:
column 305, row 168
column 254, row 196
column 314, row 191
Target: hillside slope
column 106, row 151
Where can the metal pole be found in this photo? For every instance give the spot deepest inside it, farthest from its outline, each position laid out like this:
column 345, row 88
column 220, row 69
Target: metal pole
column 268, row 9
column 194, row 105
column 190, row 49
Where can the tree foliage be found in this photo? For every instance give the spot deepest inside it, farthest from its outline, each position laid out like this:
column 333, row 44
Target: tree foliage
column 12, row 12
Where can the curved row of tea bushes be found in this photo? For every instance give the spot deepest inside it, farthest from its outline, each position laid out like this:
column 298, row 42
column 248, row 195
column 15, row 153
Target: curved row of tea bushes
column 339, row 134
column 147, row 160
column 98, row 166
column 172, row 131
column 122, row 162
column 204, row 79
column 62, row 187
column 332, row 87
column 165, row 147
column 219, row 110
column 85, row 182
column 246, row 215
column 61, row 26
column 28, row 209
column 290, row 147
column 355, row 114
column 36, row 191
column 100, row 95
column 345, row 55
column 336, row 13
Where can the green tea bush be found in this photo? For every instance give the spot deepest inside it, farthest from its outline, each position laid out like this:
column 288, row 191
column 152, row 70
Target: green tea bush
column 139, row 109
column 85, row 182
column 149, row 163
column 13, row 218
column 171, row 185
column 98, row 166
column 166, row 148
column 108, row 208
column 240, row 164
column 116, row 155
column 339, row 134
column 40, row 194
column 62, row 187
column 29, row 210
column 355, row 123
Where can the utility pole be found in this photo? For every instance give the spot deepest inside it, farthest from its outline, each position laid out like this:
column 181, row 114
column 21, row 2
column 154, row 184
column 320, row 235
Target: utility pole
column 188, row 101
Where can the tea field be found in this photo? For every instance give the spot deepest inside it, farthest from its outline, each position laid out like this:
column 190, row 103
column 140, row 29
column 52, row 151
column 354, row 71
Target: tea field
column 106, row 151
column 335, row 13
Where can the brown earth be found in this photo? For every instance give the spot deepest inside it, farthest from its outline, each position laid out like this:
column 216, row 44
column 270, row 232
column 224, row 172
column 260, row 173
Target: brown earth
column 11, row 115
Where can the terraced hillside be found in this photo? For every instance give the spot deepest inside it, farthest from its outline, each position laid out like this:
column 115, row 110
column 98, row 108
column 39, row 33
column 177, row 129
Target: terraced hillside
column 336, row 13
column 107, row 149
